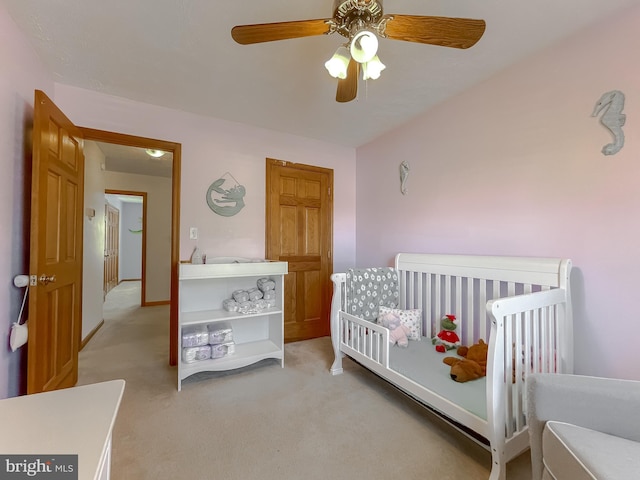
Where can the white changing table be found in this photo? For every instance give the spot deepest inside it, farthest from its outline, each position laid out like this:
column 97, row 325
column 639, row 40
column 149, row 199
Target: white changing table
column 76, row 420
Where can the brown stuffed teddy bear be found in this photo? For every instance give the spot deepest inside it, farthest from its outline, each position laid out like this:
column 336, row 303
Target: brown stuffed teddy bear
column 472, row 366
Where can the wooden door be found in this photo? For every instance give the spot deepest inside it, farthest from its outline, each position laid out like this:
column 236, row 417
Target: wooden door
column 56, row 249
column 111, row 247
column 299, row 231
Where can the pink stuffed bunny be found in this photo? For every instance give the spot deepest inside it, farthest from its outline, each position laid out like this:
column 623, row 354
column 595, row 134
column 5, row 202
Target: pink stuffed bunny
column 397, row 331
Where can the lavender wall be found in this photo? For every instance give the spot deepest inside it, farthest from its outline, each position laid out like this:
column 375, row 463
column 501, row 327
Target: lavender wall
column 514, row 167
column 20, row 74
column 212, row 147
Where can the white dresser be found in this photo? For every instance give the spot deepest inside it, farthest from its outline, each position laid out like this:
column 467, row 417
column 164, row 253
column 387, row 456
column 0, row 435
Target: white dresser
column 72, row 421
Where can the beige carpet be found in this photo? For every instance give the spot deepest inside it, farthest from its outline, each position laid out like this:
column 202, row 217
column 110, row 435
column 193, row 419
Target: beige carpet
column 265, row 422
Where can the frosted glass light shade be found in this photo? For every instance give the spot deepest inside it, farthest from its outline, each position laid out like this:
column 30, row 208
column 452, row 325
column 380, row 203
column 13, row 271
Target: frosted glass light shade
column 371, row 69
column 364, row 46
column 337, row 65
column 154, row 153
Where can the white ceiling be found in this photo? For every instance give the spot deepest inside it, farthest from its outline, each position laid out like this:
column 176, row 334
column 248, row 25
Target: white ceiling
column 180, row 54
column 120, row 158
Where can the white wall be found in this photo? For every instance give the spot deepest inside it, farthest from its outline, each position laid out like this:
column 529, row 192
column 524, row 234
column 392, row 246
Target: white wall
column 210, row 148
column 514, row 167
column 131, row 243
column 93, row 242
column 113, row 200
column 21, row 72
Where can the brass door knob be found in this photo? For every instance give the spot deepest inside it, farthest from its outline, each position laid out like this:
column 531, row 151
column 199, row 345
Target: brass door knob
column 45, row 280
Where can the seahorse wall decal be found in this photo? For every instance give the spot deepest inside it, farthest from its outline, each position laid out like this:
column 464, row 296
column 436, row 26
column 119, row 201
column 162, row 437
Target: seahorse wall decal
column 404, row 176
column 612, row 103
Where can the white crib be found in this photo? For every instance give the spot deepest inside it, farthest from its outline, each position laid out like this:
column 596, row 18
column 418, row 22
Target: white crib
column 522, row 305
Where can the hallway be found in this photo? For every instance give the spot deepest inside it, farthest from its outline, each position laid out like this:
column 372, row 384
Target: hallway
column 132, row 340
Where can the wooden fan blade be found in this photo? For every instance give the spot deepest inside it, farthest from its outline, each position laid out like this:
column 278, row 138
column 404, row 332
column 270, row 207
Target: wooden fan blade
column 443, row 31
column 268, row 32
column 348, row 87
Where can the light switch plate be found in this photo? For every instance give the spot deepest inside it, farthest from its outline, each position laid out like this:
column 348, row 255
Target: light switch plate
column 193, row 233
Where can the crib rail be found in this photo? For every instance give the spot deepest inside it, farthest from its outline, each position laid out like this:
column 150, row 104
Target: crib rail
column 439, row 288
column 530, row 333
column 438, row 295
column 354, row 335
column 338, row 304
column 365, row 338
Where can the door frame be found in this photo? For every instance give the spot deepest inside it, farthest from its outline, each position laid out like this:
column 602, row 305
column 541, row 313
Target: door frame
column 175, row 149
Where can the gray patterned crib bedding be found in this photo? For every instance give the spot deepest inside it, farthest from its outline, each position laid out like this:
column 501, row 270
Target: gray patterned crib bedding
column 369, row 288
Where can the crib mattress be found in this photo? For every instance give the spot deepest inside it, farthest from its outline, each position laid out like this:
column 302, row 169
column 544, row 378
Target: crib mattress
column 421, row 363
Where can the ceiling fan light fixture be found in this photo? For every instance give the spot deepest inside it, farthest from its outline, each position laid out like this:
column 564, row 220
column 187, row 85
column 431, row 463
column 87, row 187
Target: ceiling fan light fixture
column 364, row 46
column 337, row 65
column 154, row 153
column 372, row 69
column 362, row 23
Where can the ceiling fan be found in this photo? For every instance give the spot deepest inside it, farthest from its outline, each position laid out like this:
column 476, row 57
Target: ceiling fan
column 362, row 22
